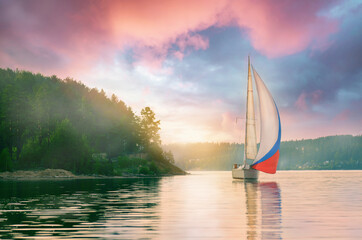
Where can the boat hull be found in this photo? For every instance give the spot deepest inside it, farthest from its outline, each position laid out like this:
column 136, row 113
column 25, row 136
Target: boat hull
column 242, row 173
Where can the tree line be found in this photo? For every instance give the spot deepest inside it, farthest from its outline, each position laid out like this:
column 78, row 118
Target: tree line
column 332, row 152
column 47, row 122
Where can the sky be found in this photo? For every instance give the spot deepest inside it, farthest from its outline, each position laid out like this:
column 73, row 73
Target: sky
column 187, row 60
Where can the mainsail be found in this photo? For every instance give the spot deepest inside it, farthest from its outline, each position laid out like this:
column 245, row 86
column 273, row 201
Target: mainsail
column 250, row 132
column 270, row 131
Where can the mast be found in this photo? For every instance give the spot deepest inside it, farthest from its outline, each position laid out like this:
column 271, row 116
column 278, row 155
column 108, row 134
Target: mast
column 250, row 149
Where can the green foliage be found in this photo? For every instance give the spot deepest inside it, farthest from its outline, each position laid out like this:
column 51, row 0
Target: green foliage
column 135, row 166
column 126, row 162
column 5, row 161
column 154, row 169
column 334, row 152
column 32, row 154
column 102, row 167
column 67, row 149
column 169, row 156
column 144, row 170
column 47, row 122
column 149, row 128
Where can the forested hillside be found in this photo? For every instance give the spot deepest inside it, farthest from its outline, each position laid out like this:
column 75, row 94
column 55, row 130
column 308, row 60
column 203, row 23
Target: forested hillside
column 333, row 152
column 46, row 122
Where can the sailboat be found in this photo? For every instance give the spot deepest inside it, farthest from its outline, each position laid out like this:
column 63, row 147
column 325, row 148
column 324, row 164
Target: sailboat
column 266, row 159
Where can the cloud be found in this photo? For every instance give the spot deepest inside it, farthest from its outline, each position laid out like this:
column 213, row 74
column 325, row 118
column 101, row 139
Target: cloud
column 74, row 35
column 342, row 116
column 51, row 37
column 188, row 61
column 301, row 102
column 278, row 28
column 316, row 96
column 305, row 100
column 196, row 41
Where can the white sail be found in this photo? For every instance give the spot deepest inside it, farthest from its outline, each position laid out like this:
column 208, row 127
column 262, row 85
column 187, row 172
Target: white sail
column 250, row 131
column 266, row 159
column 270, row 131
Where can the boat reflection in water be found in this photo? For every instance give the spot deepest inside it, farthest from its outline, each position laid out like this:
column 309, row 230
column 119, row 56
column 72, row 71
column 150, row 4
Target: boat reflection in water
column 263, row 210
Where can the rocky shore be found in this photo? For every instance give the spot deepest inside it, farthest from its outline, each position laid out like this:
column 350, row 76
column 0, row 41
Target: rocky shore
column 39, row 174
column 59, row 174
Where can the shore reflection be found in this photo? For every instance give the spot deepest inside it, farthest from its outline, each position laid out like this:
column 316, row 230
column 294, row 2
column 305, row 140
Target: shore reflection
column 95, row 208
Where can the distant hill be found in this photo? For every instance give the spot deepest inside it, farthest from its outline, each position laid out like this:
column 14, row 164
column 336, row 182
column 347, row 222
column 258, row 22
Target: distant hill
column 333, row 152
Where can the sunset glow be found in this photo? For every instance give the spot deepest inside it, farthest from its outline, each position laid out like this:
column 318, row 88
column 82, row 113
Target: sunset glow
column 187, row 60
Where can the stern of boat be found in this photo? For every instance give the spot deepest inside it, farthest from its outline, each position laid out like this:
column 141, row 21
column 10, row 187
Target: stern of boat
column 240, row 172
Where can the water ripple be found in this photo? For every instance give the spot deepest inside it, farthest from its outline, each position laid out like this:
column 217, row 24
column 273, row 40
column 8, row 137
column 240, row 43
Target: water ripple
column 203, row 205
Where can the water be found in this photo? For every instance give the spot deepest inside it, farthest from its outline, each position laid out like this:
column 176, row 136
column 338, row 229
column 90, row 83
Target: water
column 203, row 205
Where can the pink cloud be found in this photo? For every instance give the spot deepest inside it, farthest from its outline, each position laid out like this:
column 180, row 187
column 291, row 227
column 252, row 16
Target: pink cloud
column 152, row 57
column 305, row 99
column 278, row 28
column 301, row 102
column 83, row 33
column 158, row 22
column 316, row 96
column 227, row 120
column 196, row 41
column 179, row 55
column 275, row 28
column 342, row 116
column 152, row 28
column 230, row 129
column 309, row 124
column 298, row 125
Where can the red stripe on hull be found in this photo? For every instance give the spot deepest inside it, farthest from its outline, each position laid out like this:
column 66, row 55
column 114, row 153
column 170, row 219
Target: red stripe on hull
column 269, row 165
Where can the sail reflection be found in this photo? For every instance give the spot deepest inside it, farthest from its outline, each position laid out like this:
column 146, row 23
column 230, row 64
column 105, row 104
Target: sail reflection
column 263, row 210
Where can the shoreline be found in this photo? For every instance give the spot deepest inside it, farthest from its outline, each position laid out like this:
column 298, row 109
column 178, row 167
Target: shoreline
column 61, row 174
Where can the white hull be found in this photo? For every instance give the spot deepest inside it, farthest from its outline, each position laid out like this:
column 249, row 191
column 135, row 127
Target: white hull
column 242, row 173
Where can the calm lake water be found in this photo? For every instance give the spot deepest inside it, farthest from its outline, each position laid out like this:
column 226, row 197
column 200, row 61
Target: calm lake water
column 203, row 205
